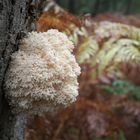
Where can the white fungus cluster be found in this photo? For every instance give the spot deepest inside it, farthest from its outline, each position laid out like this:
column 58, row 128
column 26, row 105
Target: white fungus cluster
column 42, row 74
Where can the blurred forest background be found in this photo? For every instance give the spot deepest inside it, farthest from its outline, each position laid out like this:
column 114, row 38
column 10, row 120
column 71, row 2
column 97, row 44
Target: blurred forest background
column 106, row 36
column 95, row 7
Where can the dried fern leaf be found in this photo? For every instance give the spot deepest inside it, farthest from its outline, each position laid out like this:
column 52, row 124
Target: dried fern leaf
column 107, row 29
column 87, row 49
column 129, row 51
column 107, row 59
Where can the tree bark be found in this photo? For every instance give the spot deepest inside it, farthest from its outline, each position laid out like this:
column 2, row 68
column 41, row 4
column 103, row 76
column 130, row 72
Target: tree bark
column 16, row 17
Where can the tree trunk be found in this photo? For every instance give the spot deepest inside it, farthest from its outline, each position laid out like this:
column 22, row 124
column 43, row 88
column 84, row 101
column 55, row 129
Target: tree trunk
column 15, row 21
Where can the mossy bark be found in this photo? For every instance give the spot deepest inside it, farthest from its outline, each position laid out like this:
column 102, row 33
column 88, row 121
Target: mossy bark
column 16, row 17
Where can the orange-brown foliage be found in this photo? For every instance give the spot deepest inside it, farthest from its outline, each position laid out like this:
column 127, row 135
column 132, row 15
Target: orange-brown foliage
column 62, row 21
column 129, row 20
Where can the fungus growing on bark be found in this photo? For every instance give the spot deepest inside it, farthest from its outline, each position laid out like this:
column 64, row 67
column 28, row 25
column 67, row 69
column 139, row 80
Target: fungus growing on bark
column 42, row 74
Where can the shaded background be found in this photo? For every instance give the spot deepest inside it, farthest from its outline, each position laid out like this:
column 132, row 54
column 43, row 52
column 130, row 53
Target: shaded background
column 101, row 6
